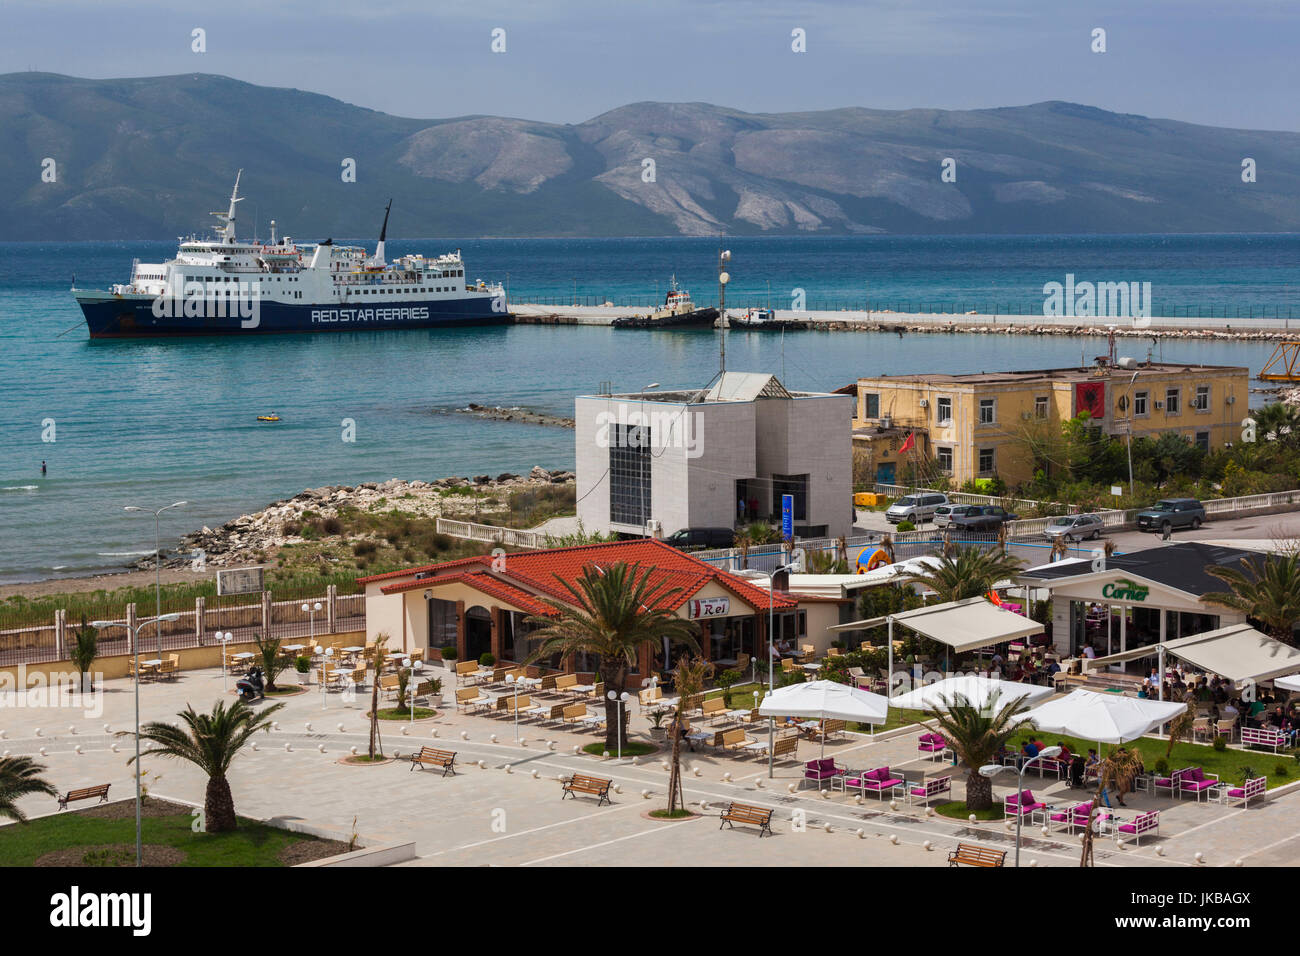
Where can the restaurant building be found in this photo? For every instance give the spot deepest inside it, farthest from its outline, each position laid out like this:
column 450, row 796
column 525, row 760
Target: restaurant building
column 497, row 603
column 1128, row 601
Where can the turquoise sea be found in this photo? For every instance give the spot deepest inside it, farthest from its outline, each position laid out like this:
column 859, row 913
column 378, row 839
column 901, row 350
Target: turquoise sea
column 149, row 422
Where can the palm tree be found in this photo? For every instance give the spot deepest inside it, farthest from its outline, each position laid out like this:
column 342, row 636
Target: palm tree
column 970, row 572
column 21, row 777
column 82, row 652
column 827, row 562
column 210, row 742
column 273, row 663
column 1117, row 772
column 379, row 653
column 1267, row 591
column 976, row 735
column 613, row 612
column 691, row 675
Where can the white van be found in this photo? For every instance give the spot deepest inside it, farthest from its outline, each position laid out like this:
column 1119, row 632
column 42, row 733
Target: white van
column 917, row 509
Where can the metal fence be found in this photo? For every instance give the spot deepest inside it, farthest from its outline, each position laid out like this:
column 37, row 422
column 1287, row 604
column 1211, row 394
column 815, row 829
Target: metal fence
column 492, row 534
column 201, row 621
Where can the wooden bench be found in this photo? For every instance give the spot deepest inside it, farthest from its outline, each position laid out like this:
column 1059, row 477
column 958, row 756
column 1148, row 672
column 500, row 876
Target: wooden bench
column 85, row 793
column 1262, row 737
column 973, row 855
column 733, row 739
column 564, row 682
column 428, row 756
column 581, row 783
column 468, row 697
column 746, row 813
column 713, row 707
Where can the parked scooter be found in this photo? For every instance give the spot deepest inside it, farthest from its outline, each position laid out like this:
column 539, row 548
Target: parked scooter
column 251, row 687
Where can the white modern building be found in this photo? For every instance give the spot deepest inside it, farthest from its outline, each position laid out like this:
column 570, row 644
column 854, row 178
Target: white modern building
column 657, row 462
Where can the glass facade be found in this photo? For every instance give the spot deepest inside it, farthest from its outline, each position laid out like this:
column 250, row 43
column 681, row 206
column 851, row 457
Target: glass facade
column 629, row 474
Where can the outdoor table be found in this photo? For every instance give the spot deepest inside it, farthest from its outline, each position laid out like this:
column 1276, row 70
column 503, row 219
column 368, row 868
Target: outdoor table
column 737, row 714
column 294, row 647
column 529, row 681
column 811, row 667
column 150, row 666
column 582, row 688
column 243, row 655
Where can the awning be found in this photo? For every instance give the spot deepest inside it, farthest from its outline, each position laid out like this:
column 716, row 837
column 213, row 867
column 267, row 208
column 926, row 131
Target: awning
column 825, row 698
column 1237, row 652
column 968, row 624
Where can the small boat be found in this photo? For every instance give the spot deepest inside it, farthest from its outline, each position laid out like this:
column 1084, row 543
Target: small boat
column 765, row 320
column 268, row 418
column 678, row 312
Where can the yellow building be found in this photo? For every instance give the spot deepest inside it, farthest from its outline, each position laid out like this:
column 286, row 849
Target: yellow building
column 984, row 425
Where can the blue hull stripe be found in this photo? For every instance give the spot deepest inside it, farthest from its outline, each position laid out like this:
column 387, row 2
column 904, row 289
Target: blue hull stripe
column 127, row 318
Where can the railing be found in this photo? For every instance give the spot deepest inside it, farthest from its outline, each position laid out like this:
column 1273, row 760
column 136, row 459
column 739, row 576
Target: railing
column 958, row 497
column 244, row 617
column 491, row 533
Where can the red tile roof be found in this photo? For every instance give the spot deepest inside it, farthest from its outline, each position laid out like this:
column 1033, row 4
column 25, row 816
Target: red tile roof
column 480, row 581
column 538, row 571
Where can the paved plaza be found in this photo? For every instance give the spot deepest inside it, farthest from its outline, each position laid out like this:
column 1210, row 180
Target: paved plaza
column 510, row 811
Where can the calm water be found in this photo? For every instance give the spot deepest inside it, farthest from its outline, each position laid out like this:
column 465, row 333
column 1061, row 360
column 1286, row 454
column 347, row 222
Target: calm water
column 150, row 422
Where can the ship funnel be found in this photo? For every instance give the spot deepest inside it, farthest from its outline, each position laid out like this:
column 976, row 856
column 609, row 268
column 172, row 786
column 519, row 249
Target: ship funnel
column 228, row 230
column 379, row 260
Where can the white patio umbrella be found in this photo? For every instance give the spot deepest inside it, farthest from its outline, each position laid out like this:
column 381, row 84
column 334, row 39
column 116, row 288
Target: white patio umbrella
column 822, row 699
column 1105, row 718
column 1289, row 682
column 976, row 690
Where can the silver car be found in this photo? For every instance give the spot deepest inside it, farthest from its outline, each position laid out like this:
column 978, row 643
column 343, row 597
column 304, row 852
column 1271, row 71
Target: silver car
column 1073, row 527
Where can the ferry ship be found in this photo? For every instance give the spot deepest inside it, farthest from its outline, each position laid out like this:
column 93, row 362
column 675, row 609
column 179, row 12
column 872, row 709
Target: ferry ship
column 223, row 286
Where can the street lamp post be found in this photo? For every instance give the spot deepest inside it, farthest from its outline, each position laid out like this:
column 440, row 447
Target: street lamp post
column 724, row 256
column 991, row 770
column 224, row 641
column 324, row 677
column 135, row 646
column 771, row 670
column 1130, row 433
column 157, row 557
column 621, row 700
column 645, row 504
column 310, row 610
column 514, row 686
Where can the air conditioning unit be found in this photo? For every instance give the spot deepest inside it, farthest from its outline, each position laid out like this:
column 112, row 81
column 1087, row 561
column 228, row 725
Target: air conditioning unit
column 925, row 403
column 1026, row 415
column 1159, row 404
column 654, row 526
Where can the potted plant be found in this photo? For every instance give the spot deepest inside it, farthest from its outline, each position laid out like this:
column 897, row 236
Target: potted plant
column 657, row 729
column 449, row 655
column 726, row 680
column 487, row 659
column 302, row 664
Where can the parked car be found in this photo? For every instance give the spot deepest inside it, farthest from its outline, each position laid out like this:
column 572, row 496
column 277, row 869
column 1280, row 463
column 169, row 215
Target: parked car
column 982, row 518
column 1170, row 513
column 1073, row 527
column 917, row 509
column 689, row 539
column 944, row 514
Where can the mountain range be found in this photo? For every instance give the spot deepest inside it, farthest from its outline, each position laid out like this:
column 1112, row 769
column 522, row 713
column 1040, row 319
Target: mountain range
column 151, row 157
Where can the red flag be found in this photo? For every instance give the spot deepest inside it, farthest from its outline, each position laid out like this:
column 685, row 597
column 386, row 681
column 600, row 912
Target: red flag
column 909, row 444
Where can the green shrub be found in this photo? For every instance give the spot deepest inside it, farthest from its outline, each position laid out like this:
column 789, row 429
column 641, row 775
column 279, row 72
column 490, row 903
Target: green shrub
column 302, row 664
column 1162, row 767
column 1220, row 744
column 487, row 659
column 449, row 652
column 1280, row 770
column 906, row 526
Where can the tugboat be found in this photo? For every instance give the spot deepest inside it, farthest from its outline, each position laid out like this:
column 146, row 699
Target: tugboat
column 765, row 320
column 678, row 312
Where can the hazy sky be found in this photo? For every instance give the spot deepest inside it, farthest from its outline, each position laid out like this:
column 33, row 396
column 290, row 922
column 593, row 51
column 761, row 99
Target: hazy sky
column 1205, row 61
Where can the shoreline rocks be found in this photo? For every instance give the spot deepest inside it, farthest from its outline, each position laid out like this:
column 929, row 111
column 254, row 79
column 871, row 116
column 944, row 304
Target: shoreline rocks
column 240, row 539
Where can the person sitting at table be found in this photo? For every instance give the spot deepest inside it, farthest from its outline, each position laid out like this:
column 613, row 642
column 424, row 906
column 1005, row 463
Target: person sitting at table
column 1088, row 652
column 1028, row 751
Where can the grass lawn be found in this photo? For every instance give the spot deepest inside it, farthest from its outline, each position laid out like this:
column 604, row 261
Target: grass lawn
column 957, row 810
column 393, row 713
column 1228, row 764
column 253, row 844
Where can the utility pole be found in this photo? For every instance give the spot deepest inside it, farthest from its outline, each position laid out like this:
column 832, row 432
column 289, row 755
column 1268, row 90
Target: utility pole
column 724, row 256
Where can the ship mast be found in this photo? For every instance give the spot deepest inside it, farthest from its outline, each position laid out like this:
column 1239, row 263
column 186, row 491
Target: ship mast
column 378, row 260
column 227, row 232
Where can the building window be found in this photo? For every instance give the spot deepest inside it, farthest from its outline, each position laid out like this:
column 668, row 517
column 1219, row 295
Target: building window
column 442, row 622
column 873, row 404
column 1040, row 406
column 1202, row 400
column 987, row 411
column 796, row 485
column 1171, row 401
column 1203, row 441
column 943, row 411
column 629, row 474
column 943, row 457
column 1139, row 403
column 986, row 461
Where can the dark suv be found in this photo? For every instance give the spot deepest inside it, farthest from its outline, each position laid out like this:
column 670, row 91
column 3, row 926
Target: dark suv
column 982, row 518
column 1170, row 513
column 691, row 539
